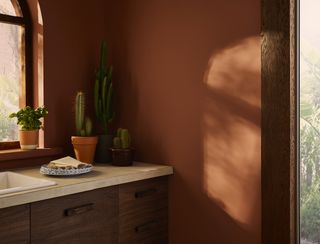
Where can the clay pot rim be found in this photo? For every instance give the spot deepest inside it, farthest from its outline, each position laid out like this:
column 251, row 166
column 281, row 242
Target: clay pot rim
column 84, row 139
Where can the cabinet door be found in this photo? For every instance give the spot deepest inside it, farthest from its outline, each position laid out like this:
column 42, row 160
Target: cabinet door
column 143, row 212
column 15, row 225
column 89, row 217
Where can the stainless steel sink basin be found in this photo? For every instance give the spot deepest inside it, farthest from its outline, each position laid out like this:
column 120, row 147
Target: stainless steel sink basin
column 11, row 182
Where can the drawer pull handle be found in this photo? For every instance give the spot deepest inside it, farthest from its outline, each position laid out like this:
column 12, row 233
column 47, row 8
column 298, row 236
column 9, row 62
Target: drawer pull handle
column 79, row 210
column 145, row 227
column 145, row 193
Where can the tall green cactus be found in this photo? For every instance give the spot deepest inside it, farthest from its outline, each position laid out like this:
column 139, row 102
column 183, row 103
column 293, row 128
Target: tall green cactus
column 79, row 110
column 103, row 91
column 83, row 127
column 88, row 126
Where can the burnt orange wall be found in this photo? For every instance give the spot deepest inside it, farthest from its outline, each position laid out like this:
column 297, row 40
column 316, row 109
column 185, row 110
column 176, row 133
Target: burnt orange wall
column 188, row 85
column 187, row 79
column 73, row 31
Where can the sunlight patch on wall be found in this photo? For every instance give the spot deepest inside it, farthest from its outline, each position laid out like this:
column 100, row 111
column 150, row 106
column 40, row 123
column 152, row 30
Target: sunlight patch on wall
column 232, row 131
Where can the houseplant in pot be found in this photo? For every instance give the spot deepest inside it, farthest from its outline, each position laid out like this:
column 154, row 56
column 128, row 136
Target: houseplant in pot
column 122, row 153
column 29, row 121
column 84, row 144
column 103, row 96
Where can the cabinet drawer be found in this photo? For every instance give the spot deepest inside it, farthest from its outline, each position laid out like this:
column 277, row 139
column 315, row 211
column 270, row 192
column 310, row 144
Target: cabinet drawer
column 14, row 225
column 143, row 211
column 141, row 196
column 89, row 217
column 148, row 228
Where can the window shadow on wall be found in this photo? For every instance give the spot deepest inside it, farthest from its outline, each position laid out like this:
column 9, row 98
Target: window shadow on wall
column 231, row 132
column 189, row 91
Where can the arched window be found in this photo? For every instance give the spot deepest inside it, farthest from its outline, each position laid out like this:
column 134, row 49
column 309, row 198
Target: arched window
column 16, row 70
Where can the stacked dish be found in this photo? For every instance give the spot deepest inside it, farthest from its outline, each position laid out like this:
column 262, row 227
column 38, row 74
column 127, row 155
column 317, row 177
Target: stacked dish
column 65, row 167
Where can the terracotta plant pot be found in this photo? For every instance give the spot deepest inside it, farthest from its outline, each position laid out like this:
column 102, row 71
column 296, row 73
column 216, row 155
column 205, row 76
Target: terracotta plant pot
column 84, row 147
column 29, row 139
column 122, row 157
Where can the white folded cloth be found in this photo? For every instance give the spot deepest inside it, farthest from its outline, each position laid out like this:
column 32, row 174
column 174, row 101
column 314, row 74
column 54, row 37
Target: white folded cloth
column 67, row 163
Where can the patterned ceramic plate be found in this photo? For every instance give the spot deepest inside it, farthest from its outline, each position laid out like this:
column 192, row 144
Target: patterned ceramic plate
column 64, row 172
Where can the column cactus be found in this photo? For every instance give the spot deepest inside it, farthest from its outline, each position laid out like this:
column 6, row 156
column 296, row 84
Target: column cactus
column 83, row 125
column 79, row 110
column 103, row 92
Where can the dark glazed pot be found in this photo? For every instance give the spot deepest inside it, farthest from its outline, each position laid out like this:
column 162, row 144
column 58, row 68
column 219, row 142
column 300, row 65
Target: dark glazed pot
column 122, row 157
column 103, row 155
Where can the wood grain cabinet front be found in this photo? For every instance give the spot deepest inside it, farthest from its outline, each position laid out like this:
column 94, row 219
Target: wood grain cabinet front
column 143, row 210
column 130, row 213
column 14, row 225
column 89, row 217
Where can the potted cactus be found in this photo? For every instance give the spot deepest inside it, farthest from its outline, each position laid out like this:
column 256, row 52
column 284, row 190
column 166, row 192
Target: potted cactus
column 29, row 120
column 103, row 94
column 122, row 153
column 84, row 144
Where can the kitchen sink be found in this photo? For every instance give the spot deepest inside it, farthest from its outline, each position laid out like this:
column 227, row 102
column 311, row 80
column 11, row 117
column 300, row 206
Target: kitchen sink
column 11, row 182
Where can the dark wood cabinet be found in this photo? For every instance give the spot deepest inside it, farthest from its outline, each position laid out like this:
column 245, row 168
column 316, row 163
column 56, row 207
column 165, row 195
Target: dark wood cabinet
column 15, row 225
column 89, row 217
column 129, row 213
column 143, row 212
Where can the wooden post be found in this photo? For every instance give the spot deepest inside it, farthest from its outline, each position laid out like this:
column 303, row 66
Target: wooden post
column 279, row 122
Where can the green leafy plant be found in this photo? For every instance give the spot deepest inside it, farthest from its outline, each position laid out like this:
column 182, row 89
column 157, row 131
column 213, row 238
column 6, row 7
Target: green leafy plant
column 122, row 140
column 29, row 118
column 103, row 92
column 83, row 124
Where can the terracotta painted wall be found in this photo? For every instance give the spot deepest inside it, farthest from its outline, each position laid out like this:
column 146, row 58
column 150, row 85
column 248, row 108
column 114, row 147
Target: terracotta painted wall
column 73, row 31
column 188, row 80
column 187, row 75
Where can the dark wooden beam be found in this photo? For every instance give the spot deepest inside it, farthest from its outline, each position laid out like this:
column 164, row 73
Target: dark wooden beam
column 12, row 19
column 279, row 122
column 28, row 52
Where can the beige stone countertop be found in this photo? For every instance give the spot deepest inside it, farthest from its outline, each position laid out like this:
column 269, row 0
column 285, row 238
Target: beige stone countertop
column 102, row 175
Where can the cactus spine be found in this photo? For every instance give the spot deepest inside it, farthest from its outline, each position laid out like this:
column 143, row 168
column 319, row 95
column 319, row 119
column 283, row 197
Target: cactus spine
column 122, row 140
column 83, row 126
column 103, row 92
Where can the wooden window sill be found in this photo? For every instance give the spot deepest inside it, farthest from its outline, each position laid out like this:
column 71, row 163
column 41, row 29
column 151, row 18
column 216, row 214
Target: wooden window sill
column 17, row 158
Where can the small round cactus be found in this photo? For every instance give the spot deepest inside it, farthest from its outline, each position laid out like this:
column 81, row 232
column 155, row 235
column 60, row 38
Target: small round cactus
column 122, row 140
column 116, row 143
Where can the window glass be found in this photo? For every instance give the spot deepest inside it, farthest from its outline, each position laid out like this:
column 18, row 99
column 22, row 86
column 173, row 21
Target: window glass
column 9, row 7
column 11, row 78
column 309, row 122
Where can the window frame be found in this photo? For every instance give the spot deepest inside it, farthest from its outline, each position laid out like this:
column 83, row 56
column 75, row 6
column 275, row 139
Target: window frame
column 25, row 21
column 279, row 123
